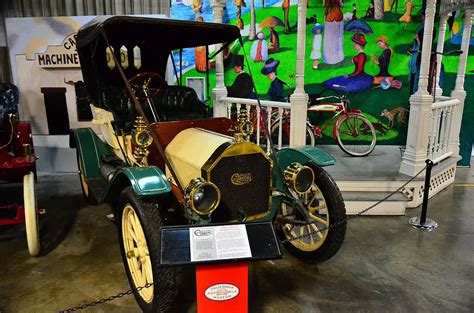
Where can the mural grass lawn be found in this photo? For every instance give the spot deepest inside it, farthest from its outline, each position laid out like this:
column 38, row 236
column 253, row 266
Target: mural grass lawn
column 371, row 101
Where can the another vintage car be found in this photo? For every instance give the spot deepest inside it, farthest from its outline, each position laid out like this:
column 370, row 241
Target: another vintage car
column 17, row 165
column 160, row 158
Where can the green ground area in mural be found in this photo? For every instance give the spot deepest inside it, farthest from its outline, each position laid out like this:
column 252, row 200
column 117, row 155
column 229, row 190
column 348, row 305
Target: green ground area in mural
column 383, row 131
column 372, row 101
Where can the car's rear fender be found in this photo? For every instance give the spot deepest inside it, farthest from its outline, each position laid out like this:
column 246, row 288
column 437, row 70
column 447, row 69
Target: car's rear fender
column 145, row 181
column 90, row 148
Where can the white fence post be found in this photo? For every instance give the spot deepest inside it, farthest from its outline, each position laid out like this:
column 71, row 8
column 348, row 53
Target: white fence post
column 219, row 108
column 459, row 92
column 440, row 49
column 299, row 98
column 420, row 105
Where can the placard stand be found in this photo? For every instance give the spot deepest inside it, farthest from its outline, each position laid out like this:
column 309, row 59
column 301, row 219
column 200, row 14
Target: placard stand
column 222, row 288
column 221, row 283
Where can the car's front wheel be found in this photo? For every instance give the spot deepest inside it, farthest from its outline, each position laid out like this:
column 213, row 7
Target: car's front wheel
column 139, row 233
column 318, row 241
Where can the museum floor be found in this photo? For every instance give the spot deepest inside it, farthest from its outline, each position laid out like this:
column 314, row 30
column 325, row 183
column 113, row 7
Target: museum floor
column 383, row 266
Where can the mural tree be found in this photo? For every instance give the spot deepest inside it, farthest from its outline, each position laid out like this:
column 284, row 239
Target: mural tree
column 252, row 27
column 378, row 9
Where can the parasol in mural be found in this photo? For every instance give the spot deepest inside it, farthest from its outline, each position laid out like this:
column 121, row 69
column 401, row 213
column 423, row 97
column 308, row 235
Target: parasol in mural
column 271, row 22
column 358, row 26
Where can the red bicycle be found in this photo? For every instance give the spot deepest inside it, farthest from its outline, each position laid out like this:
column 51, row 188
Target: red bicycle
column 353, row 132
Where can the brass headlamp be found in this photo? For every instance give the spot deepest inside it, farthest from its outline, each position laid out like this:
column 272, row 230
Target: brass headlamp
column 245, row 126
column 299, row 177
column 201, row 197
column 141, row 138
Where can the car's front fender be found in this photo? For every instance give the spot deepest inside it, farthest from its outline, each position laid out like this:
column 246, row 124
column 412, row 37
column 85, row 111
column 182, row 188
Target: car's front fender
column 303, row 155
column 145, row 181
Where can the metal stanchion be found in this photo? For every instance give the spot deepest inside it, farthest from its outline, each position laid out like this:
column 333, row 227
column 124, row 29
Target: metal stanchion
column 423, row 222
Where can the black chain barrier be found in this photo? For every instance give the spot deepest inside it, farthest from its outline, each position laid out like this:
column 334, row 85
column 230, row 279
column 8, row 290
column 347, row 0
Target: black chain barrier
column 330, row 226
column 104, row 300
column 343, row 221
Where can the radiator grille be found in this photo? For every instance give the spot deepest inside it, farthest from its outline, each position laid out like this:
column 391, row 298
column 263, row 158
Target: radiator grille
column 251, row 196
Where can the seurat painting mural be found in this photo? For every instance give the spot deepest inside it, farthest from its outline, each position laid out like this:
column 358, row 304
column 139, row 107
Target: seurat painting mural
column 369, row 47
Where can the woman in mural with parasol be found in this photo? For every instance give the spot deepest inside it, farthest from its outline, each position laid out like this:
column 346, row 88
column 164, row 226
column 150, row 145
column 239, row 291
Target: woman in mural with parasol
column 271, row 22
column 333, row 49
column 239, row 4
column 358, row 80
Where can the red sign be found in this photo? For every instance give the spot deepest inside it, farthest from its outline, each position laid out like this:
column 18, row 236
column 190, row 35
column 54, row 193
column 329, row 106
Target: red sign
column 222, row 288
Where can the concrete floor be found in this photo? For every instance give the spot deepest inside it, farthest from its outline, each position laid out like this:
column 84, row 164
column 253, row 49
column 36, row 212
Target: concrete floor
column 383, row 266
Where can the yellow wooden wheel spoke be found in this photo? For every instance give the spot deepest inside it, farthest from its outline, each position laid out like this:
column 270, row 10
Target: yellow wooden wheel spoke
column 311, row 239
column 149, row 274
column 137, row 253
column 317, row 208
column 314, row 194
column 132, row 232
column 314, row 202
column 318, row 219
column 301, row 231
column 318, row 232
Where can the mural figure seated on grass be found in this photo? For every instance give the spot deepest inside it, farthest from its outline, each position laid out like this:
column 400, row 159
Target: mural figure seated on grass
column 274, row 41
column 259, row 50
column 384, row 78
column 358, row 80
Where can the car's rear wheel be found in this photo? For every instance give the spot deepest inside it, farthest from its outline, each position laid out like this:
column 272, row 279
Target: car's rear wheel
column 316, row 242
column 86, row 191
column 139, row 225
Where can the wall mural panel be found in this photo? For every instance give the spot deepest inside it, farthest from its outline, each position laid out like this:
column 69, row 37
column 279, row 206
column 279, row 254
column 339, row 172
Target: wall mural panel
column 368, row 46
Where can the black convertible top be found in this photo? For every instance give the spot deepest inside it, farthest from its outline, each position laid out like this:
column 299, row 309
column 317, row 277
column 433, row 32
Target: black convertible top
column 174, row 34
column 154, row 37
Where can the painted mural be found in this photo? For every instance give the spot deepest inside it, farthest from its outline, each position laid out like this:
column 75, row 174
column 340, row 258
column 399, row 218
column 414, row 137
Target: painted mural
column 370, row 47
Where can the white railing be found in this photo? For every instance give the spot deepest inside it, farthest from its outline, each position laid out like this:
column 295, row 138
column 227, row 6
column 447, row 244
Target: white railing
column 262, row 115
column 440, row 128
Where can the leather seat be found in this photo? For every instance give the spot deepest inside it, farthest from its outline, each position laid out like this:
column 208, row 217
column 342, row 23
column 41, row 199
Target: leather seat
column 179, row 103
column 173, row 103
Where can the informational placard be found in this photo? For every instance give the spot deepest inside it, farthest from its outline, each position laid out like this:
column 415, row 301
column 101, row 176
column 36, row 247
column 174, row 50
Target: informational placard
column 219, row 243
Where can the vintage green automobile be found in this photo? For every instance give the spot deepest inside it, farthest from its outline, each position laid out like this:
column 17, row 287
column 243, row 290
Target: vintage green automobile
column 160, row 159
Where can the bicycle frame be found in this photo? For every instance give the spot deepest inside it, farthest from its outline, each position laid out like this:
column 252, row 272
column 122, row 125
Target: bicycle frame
column 339, row 109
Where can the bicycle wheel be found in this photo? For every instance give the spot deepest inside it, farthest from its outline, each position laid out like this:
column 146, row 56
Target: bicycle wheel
column 285, row 133
column 355, row 135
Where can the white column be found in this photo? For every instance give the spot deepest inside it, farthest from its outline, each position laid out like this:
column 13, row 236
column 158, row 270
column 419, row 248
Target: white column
column 426, row 48
column 459, row 92
column 420, row 105
column 219, row 90
column 299, row 98
column 440, row 49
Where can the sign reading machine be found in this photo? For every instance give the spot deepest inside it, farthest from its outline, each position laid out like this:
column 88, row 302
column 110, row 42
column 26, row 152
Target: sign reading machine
column 63, row 56
column 219, row 243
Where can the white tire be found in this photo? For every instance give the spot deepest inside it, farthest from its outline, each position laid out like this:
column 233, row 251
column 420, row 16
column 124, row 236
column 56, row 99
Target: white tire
column 31, row 217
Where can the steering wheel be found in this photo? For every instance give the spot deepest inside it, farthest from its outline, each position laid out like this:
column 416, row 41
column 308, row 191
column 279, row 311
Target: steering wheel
column 146, row 85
